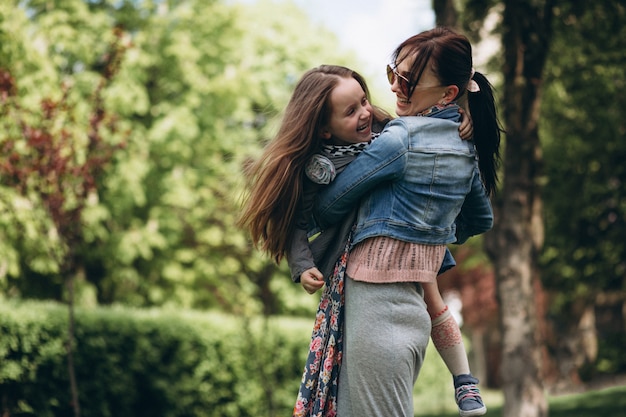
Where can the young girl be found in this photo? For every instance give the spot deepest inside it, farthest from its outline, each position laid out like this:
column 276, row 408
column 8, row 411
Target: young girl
column 329, row 105
column 418, row 188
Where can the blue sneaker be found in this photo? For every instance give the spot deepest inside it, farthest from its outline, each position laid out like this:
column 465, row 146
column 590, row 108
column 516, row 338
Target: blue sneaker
column 468, row 396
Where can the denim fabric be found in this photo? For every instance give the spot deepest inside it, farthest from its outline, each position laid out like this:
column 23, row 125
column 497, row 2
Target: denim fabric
column 412, row 184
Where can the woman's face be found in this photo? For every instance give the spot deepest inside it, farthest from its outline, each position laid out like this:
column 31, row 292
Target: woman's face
column 351, row 118
column 426, row 94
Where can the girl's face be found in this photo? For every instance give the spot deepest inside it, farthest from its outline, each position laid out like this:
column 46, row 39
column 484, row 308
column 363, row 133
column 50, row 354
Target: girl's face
column 427, row 93
column 351, row 118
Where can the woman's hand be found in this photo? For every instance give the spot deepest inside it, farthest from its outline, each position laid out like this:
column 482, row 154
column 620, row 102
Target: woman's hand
column 466, row 130
column 312, row 280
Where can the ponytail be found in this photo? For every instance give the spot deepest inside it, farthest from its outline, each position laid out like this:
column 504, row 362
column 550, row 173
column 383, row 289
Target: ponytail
column 487, row 131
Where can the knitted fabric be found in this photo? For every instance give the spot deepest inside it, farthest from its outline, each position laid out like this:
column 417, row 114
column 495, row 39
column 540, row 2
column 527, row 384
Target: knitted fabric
column 382, row 260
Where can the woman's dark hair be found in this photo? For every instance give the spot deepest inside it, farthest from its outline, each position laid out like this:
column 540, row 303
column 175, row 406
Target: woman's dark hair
column 449, row 55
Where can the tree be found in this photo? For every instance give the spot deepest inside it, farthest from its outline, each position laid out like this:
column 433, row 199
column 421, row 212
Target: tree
column 515, row 243
column 446, row 13
column 198, row 93
column 56, row 157
column 581, row 263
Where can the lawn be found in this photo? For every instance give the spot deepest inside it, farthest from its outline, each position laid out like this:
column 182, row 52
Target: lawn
column 609, row 402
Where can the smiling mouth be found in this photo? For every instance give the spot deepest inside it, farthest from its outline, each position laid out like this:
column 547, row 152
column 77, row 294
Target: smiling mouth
column 362, row 128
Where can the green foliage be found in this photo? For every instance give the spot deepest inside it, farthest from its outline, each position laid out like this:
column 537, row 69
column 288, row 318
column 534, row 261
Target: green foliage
column 584, row 151
column 157, row 363
column 585, row 197
column 168, row 363
column 199, row 92
column 51, row 158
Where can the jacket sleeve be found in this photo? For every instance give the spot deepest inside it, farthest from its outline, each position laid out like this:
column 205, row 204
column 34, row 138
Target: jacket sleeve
column 384, row 160
column 476, row 214
column 298, row 253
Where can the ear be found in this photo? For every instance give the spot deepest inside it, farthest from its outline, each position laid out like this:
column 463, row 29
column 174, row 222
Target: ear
column 450, row 94
column 325, row 134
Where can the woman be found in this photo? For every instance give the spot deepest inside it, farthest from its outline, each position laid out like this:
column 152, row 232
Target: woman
column 418, row 187
column 328, row 121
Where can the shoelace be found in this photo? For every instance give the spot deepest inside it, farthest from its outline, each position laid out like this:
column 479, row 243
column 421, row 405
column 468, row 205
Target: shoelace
column 467, row 391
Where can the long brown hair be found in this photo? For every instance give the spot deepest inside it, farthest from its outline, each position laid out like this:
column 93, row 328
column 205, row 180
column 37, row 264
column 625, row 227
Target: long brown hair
column 275, row 180
column 449, row 55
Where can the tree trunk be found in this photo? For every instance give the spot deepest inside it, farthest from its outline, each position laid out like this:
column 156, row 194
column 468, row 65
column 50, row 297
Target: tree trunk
column 71, row 337
column 68, row 271
column 445, row 13
column 516, row 239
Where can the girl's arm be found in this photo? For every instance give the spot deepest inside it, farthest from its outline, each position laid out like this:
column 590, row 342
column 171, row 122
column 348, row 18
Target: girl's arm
column 299, row 256
column 312, row 280
column 301, row 264
column 466, row 129
column 298, row 252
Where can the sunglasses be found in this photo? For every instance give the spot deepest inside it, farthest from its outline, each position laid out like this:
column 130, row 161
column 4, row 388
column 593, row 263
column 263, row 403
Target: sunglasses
column 403, row 82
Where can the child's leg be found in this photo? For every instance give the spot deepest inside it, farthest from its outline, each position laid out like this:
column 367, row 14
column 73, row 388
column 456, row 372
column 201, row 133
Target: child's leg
column 448, row 340
column 445, row 331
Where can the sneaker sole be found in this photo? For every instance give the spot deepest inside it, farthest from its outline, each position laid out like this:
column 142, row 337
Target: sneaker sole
column 475, row 412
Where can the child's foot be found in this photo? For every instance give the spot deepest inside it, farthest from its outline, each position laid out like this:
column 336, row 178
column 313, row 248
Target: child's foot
column 468, row 396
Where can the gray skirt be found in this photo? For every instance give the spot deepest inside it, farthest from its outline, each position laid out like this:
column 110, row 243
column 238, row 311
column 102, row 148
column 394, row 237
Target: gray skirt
column 387, row 329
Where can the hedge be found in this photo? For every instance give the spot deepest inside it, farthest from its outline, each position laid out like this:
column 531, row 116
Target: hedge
column 135, row 363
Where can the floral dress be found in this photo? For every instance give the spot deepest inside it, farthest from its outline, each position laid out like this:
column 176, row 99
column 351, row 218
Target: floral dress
column 318, row 389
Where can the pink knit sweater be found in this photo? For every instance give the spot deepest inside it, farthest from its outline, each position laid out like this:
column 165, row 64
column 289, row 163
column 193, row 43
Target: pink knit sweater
column 383, row 259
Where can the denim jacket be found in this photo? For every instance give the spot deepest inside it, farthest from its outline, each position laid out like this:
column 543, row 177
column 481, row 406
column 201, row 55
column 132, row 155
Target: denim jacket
column 312, row 247
column 418, row 182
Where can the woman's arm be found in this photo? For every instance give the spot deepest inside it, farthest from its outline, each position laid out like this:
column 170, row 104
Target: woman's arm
column 476, row 214
column 384, row 160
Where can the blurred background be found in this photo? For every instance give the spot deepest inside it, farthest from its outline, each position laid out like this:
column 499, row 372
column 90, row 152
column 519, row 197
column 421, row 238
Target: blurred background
column 125, row 125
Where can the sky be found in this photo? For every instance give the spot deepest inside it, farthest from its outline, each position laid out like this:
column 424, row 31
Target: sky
column 372, row 28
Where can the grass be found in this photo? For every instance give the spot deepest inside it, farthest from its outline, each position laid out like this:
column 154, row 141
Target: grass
column 608, row 402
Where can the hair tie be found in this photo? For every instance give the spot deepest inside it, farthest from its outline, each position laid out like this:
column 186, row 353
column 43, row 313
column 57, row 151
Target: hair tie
column 472, row 86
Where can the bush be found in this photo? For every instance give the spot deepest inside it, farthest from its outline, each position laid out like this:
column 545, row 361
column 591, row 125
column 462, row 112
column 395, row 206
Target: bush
column 149, row 363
